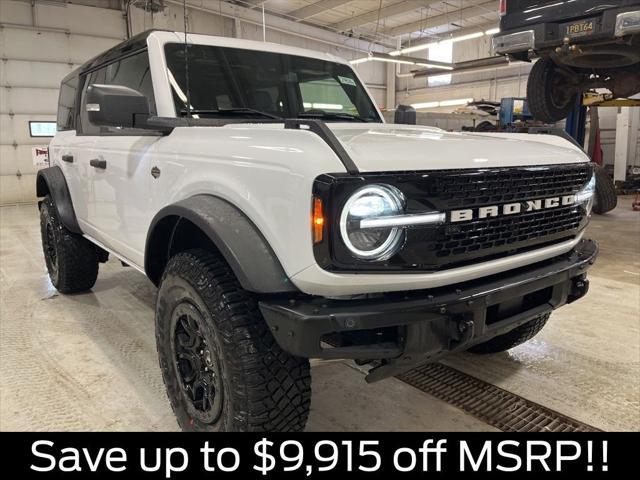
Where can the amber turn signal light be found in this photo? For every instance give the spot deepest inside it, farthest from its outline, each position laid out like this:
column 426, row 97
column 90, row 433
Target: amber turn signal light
column 317, row 220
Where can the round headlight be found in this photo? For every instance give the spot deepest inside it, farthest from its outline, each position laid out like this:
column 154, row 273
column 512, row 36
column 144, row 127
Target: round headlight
column 370, row 202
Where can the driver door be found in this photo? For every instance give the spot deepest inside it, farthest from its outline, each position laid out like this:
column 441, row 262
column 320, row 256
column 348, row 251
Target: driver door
column 119, row 165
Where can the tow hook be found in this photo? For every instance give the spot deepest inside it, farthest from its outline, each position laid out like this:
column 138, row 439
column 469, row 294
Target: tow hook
column 464, row 330
column 579, row 288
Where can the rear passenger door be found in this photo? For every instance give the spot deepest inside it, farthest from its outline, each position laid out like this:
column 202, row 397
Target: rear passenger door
column 119, row 167
column 66, row 148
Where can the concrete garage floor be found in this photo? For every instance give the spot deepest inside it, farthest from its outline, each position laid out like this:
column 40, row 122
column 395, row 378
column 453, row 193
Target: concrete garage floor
column 88, row 362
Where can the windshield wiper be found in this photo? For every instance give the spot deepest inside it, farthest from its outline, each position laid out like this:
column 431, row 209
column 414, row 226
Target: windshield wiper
column 332, row 115
column 230, row 111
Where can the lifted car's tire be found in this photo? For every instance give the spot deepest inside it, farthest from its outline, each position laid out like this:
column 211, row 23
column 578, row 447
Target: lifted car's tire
column 222, row 368
column 513, row 338
column 549, row 94
column 485, row 126
column 72, row 260
column 605, row 198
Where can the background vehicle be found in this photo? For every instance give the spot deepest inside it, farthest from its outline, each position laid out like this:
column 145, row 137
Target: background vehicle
column 282, row 220
column 580, row 45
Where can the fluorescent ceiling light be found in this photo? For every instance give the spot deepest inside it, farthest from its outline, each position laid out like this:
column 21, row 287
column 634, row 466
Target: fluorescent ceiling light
column 470, row 36
column 392, row 60
column 359, row 60
column 381, row 57
column 459, row 101
column 443, row 103
column 418, row 106
column 431, row 65
column 415, row 48
column 425, row 46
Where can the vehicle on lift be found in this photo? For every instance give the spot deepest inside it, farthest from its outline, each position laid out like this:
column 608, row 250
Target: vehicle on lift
column 283, row 220
column 581, row 45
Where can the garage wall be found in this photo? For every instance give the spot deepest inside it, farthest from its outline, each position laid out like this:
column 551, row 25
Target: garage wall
column 39, row 45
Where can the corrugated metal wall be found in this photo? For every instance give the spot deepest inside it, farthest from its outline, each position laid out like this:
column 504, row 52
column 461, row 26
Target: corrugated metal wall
column 39, row 45
column 41, row 42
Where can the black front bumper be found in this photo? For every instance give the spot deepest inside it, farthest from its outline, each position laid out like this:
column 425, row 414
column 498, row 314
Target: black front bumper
column 408, row 328
column 549, row 24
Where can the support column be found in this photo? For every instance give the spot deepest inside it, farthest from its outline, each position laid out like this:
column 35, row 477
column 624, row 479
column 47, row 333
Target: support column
column 627, row 124
column 390, row 100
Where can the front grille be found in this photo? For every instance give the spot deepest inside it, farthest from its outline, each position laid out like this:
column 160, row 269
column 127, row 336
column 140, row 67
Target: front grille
column 452, row 189
column 454, row 240
column 453, row 244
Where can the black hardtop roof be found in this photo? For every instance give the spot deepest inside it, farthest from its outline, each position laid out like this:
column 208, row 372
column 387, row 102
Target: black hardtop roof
column 137, row 42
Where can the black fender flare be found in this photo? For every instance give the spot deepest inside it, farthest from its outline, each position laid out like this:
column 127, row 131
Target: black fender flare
column 238, row 240
column 51, row 181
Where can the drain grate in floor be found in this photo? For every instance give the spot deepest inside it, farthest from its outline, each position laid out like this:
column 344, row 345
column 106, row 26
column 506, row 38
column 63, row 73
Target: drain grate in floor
column 493, row 405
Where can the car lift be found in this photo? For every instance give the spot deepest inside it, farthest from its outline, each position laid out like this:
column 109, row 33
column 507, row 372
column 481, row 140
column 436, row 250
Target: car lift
column 576, row 121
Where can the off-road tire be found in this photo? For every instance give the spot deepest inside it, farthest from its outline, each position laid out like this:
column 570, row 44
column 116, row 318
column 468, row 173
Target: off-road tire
column 605, row 198
column 544, row 90
column 513, row 338
column 485, row 126
column 72, row 260
column 263, row 388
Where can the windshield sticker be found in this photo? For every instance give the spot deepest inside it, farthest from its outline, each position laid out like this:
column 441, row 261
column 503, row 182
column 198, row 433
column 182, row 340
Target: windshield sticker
column 347, row 81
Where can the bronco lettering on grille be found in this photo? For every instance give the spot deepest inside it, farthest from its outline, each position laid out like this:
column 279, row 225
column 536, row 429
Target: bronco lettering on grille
column 510, row 208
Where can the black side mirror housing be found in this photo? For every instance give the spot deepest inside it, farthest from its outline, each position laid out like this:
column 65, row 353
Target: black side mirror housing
column 405, row 114
column 116, row 106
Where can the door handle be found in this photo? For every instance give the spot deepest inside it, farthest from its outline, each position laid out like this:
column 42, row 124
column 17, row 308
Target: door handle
column 67, row 158
column 97, row 163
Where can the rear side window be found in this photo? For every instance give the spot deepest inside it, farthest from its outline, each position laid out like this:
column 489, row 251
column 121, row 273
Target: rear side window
column 67, row 104
column 132, row 72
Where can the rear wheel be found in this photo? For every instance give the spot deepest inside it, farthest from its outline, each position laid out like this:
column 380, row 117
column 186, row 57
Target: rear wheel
column 605, row 198
column 72, row 261
column 222, row 368
column 513, row 338
column 550, row 94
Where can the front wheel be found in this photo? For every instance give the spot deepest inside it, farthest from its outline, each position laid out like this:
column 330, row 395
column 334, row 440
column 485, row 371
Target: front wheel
column 222, row 368
column 550, row 94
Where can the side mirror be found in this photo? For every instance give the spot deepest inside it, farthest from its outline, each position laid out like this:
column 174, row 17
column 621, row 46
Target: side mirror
column 405, row 114
column 116, row 106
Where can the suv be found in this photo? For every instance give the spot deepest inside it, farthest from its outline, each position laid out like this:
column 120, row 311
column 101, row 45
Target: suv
column 259, row 188
column 582, row 45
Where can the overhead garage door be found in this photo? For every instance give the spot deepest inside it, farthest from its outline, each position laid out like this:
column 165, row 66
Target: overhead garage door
column 39, row 45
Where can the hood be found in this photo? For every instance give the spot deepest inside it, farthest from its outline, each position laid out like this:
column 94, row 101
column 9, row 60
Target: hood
column 391, row 147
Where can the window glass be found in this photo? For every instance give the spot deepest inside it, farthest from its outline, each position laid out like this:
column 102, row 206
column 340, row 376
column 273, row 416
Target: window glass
column 326, row 94
column 42, row 129
column 441, row 52
column 132, row 72
column 275, row 84
column 67, row 103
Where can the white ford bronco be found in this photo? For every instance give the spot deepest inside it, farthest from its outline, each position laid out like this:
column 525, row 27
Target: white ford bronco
column 259, row 188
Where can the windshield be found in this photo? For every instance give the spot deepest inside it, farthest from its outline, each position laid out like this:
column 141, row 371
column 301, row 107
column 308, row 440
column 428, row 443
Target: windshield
column 231, row 82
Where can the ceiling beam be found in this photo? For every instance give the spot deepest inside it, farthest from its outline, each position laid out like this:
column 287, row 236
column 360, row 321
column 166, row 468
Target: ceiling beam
column 389, row 11
column 432, row 22
column 317, row 8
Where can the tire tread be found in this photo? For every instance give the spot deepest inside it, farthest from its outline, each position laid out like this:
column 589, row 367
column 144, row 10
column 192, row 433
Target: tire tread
column 274, row 391
column 77, row 256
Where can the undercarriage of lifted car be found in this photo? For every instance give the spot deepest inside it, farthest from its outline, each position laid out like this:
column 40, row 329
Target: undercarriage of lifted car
column 580, row 45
